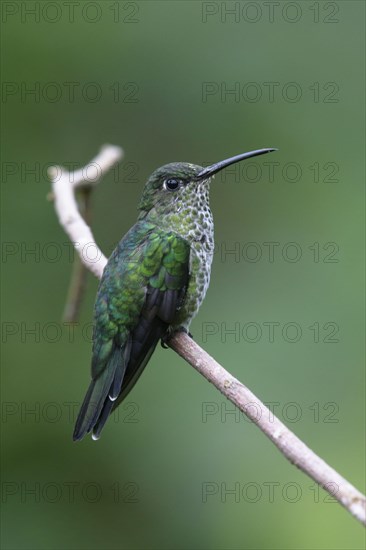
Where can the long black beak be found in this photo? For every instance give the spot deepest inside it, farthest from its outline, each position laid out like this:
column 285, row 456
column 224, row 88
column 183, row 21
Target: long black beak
column 214, row 168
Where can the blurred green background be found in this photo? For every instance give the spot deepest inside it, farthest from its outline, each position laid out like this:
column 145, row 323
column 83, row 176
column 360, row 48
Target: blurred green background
column 175, row 469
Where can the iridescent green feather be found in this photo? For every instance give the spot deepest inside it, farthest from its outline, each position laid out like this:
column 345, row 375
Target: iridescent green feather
column 146, row 258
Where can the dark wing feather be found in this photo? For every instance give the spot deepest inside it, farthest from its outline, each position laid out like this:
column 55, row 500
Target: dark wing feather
column 142, row 288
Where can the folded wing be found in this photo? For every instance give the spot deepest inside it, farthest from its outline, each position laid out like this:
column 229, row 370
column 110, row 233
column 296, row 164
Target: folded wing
column 142, row 288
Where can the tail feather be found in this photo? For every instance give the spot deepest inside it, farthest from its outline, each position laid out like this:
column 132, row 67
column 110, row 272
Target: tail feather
column 122, row 362
column 125, row 364
column 96, row 396
column 103, row 417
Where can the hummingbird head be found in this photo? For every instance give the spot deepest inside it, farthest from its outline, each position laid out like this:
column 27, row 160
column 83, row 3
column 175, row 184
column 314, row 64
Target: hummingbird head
column 171, row 187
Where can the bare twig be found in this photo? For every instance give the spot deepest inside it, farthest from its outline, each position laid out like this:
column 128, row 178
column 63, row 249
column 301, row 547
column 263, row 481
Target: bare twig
column 64, row 184
column 286, row 441
column 90, row 257
column 79, row 273
column 288, row 444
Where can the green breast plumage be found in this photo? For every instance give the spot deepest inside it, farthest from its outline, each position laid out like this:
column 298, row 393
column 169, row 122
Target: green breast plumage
column 193, row 221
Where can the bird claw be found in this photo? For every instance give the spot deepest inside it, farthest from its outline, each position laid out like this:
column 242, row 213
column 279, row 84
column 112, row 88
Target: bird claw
column 170, row 333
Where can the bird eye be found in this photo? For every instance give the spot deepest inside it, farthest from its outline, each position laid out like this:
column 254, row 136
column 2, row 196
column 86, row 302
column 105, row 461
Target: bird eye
column 172, row 184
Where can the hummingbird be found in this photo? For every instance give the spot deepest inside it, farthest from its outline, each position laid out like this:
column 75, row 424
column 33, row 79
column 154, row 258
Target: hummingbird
column 153, row 284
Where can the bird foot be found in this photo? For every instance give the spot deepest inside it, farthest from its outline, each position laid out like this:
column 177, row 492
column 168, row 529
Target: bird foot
column 170, row 333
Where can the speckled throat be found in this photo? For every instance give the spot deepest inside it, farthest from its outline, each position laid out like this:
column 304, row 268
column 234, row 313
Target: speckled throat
column 190, row 217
